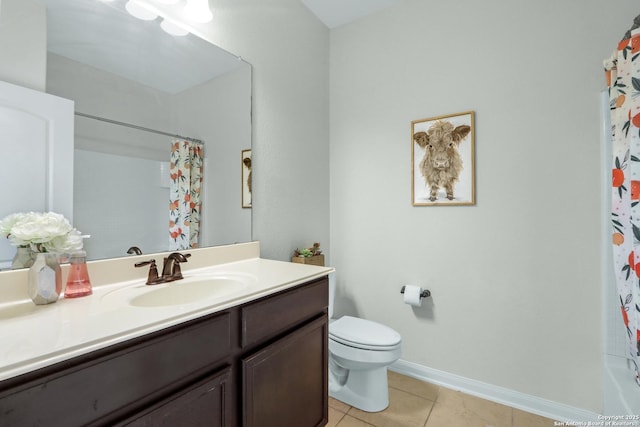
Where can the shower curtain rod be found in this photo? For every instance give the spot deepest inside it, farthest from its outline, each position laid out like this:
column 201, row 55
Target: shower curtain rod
column 129, row 125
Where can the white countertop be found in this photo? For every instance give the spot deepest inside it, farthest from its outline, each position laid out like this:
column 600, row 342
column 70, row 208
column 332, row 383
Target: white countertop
column 37, row 336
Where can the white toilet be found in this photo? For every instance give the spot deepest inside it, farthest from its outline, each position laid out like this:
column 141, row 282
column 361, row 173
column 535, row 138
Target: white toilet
column 359, row 352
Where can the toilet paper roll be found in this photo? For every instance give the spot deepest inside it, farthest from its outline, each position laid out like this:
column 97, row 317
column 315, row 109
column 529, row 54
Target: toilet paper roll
column 412, row 295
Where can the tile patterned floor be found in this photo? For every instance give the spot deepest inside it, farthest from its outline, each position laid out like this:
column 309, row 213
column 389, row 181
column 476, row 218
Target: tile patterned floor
column 413, row 403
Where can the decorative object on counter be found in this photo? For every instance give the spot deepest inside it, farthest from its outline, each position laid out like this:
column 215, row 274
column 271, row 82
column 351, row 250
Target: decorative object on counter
column 42, row 232
column 44, row 282
column 312, row 255
column 47, row 234
column 443, row 160
column 23, row 258
column 78, row 282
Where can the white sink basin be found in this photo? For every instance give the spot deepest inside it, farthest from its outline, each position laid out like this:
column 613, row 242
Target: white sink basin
column 191, row 290
column 177, row 293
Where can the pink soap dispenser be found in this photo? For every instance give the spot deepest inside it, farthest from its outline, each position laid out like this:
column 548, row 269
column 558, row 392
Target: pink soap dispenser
column 78, row 283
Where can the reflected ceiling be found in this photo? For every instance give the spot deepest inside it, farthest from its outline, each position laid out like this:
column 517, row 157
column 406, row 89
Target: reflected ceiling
column 94, row 32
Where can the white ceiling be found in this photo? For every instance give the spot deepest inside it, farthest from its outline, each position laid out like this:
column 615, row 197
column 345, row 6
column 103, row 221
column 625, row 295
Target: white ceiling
column 339, row 12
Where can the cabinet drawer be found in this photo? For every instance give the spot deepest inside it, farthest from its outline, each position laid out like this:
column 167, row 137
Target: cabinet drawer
column 268, row 317
column 92, row 390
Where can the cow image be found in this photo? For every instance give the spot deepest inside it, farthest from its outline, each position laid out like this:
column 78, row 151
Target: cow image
column 247, row 163
column 441, row 164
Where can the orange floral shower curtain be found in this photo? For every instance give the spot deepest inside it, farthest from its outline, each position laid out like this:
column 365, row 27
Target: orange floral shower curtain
column 185, row 200
column 623, row 78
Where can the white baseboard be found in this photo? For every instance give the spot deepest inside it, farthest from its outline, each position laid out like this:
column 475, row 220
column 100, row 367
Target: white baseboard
column 536, row 405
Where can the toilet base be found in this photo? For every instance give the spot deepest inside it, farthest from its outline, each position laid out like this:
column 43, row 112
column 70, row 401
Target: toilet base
column 366, row 390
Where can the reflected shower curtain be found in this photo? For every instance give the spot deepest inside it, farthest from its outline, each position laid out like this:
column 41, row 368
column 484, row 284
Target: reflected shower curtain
column 185, row 200
column 623, row 78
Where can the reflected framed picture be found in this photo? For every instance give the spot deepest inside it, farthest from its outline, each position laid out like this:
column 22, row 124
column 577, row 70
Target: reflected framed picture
column 246, row 178
column 443, row 160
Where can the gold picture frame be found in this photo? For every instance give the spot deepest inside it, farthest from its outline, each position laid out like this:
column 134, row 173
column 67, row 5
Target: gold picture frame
column 443, row 160
column 246, row 178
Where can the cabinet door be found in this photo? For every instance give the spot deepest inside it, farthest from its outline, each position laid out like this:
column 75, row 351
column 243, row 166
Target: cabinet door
column 203, row 404
column 285, row 384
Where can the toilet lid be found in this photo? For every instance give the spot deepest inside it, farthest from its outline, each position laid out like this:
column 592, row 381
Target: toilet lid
column 360, row 332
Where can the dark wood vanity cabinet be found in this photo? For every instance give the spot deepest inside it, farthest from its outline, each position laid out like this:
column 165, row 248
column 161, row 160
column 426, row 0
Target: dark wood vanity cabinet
column 204, row 403
column 284, row 384
column 261, row 364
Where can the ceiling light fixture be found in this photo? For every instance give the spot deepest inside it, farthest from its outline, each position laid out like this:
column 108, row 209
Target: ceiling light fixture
column 168, row 1
column 198, row 11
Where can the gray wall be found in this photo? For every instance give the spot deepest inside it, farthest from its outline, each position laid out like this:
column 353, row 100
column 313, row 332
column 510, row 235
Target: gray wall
column 23, row 40
column 289, row 50
column 516, row 278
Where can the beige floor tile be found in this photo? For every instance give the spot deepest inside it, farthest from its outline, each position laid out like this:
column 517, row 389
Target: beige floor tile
column 340, row 406
column 348, row 421
column 334, row 417
column 494, row 414
column 405, row 410
column 450, row 416
column 526, row 419
column 413, row 386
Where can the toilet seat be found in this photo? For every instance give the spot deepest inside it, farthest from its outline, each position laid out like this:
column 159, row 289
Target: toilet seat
column 364, row 334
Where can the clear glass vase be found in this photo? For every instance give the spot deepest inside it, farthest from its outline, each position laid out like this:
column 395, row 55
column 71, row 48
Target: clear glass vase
column 45, row 279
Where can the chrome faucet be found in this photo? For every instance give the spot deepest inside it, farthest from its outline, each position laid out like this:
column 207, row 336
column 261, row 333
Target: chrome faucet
column 170, row 268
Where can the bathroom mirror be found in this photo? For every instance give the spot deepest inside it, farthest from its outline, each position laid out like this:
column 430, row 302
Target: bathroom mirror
column 130, row 71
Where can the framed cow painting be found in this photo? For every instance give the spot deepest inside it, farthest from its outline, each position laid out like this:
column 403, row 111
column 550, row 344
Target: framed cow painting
column 443, row 160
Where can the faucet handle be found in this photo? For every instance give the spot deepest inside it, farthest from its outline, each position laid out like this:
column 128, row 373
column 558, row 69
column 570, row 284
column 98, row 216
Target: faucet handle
column 152, row 279
column 134, row 250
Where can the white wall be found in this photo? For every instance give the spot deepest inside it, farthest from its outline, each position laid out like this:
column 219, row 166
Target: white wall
column 289, row 50
column 515, row 279
column 23, row 43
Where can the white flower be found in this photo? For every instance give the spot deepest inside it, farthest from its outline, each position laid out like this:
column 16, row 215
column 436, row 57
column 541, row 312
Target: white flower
column 66, row 244
column 8, row 222
column 43, row 232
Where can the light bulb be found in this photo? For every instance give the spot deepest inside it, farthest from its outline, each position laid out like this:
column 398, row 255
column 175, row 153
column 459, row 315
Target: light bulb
column 173, row 28
column 198, row 11
column 140, row 11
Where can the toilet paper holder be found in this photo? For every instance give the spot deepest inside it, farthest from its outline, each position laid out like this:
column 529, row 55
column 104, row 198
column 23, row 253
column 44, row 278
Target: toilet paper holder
column 425, row 292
